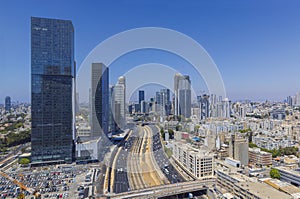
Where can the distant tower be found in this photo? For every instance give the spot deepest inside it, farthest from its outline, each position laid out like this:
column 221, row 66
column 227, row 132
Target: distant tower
column 185, row 98
column 141, row 96
column 7, row 103
column 99, row 100
column 226, row 108
column 163, row 102
column 203, row 102
column 176, row 94
column 120, row 104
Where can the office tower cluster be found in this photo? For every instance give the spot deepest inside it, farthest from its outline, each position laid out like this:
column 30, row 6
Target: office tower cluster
column 181, row 105
column 52, row 90
column 213, row 106
column 294, row 100
column 159, row 104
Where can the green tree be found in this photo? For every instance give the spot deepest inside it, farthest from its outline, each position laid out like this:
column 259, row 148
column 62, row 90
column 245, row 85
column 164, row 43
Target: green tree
column 171, row 133
column 196, row 128
column 274, row 173
column 178, row 127
column 24, row 161
column 252, row 145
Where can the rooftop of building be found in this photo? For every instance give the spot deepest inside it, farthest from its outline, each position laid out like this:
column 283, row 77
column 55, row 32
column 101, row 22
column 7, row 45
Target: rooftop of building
column 291, row 170
column 283, row 186
column 188, row 148
column 262, row 190
column 257, row 150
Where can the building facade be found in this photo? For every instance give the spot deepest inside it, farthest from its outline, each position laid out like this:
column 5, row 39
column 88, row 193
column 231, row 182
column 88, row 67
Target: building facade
column 52, row 90
column 197, row 162
column 244, row 187
column 239, row 149
column 258, row 157
column 289, row 175
column 99, row 100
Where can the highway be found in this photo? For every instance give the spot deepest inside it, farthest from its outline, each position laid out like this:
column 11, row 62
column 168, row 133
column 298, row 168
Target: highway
column 161, row 158
column 139, row 162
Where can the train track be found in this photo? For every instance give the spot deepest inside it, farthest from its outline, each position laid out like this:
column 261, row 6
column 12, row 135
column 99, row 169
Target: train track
column 136, row 180
column 143, row 170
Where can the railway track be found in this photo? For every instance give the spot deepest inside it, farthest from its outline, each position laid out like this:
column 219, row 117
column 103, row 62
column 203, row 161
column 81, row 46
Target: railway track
column 136, row 180
column 143, row 170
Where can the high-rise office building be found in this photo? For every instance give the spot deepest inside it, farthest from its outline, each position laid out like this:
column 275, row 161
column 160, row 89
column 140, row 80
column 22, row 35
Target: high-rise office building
column 183, row 95
column 176, row 94
column 99, row 100
column 226, row 108
column 52, row 90
column 119, row 98
column 112, row 123
column 163, row 102
column 141, row 96
column 7, row 103
column 203, row 103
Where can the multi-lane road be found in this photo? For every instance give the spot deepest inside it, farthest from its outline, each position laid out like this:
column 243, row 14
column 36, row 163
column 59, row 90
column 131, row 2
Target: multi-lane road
column 139, row 162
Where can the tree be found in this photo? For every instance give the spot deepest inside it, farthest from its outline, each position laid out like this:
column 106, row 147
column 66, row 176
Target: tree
column 24, row 161
column 274, row 173
column 196, row 128
column 178, row 127
column 171, row 133
column 252, row 145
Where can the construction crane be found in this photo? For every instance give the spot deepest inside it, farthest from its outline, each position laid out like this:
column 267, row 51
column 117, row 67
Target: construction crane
column 36, row 194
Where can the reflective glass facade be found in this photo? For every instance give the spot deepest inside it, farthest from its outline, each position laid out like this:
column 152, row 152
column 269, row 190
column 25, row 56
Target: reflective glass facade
column 52, row 80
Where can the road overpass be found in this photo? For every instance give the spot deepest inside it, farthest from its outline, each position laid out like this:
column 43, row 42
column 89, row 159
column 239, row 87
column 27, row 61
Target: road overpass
column 166, row 190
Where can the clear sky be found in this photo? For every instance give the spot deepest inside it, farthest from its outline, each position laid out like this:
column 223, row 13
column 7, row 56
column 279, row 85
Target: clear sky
column 255, row 44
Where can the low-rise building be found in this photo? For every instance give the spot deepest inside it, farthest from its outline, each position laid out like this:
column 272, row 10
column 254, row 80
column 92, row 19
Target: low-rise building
column 258, row 157
column 198, row 162
column 289, row 175
column 242, row 186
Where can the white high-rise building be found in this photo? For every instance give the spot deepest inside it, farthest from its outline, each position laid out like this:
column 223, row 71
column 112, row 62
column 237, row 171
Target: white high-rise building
column 298, row 99
column 119, row 102
column 226, row 108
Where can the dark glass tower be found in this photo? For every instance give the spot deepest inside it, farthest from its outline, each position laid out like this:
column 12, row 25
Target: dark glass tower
column 141, row 96
column 7, row 103
column 100, row 100
column 52, row 84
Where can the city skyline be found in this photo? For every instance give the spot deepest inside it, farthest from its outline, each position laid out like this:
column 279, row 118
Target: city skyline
column 255, row 52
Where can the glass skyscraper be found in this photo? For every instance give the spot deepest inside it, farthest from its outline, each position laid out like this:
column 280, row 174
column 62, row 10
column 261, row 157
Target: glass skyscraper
column 100, row 100
column 7, row 103
column 183, row 96
column 52, row 88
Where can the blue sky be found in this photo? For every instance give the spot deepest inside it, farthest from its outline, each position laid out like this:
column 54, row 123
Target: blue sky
column 255, row 44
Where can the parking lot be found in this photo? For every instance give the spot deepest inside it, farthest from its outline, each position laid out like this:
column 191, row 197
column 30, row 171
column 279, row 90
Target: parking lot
column 62, row 181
